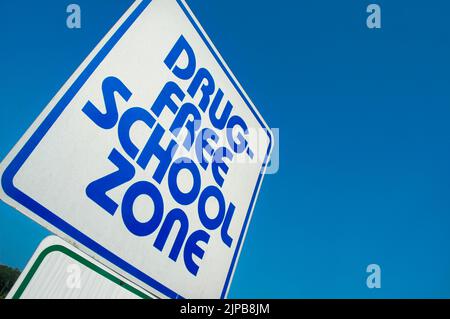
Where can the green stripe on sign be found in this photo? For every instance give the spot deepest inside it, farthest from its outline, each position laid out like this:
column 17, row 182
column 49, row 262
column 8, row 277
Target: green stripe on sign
column 78, row 258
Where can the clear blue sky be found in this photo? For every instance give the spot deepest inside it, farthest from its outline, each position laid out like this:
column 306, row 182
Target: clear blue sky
column 364, row 118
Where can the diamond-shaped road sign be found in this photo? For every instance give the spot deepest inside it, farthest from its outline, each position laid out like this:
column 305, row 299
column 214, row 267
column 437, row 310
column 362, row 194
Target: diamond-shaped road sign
column 150, row 157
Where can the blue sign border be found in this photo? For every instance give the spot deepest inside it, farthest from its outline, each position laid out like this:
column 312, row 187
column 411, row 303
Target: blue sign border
column 39, row 133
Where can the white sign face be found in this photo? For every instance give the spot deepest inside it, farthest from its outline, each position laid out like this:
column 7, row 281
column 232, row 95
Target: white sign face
column 150, row 158
column 59, row 271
